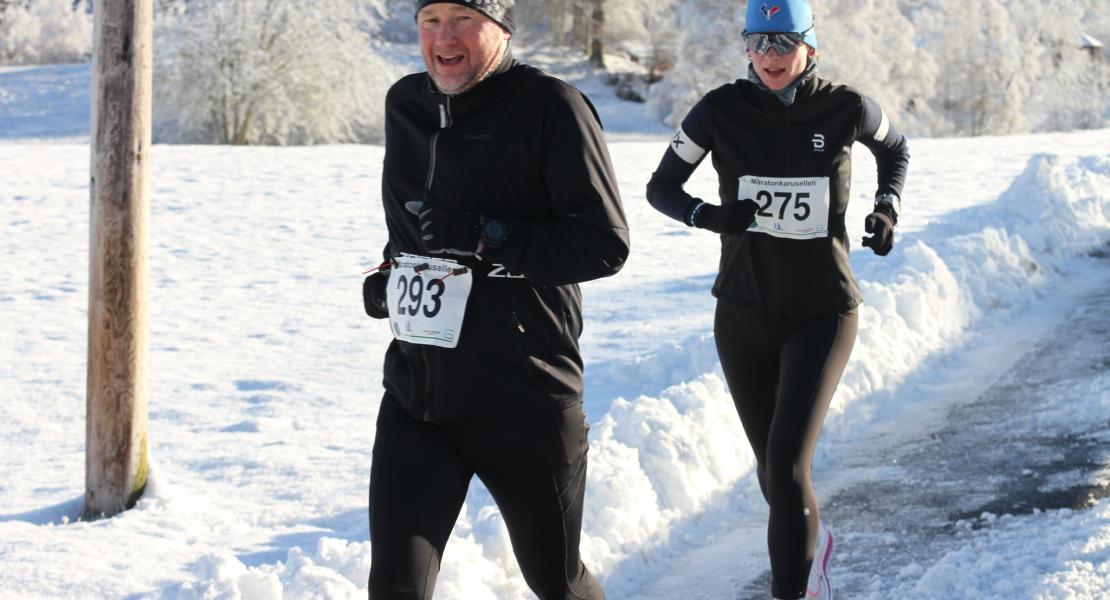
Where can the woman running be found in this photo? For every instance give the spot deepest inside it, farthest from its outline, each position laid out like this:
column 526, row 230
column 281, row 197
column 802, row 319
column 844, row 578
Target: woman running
column 781, row 143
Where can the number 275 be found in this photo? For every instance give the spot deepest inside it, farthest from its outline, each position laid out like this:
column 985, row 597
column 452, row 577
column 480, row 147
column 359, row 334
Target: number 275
column 801, row 207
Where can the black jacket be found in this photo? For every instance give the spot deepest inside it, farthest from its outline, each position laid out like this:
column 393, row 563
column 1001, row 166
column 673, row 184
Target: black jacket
column 527, row 149
column 749, row 132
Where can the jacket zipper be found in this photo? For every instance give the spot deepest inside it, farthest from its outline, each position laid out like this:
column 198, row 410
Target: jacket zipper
column 444, row 123
column 520, row 331
column 782, row 246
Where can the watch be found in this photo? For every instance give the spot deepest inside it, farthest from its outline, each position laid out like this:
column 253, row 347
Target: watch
column 892, row 201
column 494, row 233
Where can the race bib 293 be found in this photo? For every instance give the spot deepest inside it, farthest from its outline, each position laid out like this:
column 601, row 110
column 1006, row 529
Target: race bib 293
column 427, row 299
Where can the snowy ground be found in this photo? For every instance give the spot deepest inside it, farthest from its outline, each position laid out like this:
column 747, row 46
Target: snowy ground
column 265, row 376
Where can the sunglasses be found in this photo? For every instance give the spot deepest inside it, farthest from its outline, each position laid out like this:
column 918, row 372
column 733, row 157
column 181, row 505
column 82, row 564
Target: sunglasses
column 783, row 43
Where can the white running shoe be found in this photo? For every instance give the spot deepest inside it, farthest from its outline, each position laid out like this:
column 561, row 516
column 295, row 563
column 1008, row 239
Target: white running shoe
column 818, row 587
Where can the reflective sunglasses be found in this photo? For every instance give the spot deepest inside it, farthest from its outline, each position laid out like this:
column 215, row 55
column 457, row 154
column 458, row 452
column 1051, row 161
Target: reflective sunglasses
column 783, row 43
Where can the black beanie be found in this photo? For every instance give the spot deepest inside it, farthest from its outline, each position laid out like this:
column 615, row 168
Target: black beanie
column 501, row 11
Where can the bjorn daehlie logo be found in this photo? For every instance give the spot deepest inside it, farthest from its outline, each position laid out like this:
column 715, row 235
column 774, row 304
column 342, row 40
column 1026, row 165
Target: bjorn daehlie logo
column 677, row 141
column 818, row 142
column 769, row 12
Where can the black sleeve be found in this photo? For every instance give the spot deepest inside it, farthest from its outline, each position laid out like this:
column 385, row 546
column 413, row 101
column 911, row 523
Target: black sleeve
column 687, row 149
column 588, row 236
column 892, row 154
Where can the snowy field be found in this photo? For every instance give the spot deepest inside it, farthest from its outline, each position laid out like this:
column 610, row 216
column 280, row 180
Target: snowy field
column 265, row 375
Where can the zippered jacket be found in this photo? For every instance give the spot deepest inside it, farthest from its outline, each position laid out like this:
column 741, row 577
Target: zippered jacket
column 527, row 149
column 795, row 261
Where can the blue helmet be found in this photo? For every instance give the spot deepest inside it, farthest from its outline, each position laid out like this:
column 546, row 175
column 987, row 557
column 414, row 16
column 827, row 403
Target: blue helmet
column 781, row 16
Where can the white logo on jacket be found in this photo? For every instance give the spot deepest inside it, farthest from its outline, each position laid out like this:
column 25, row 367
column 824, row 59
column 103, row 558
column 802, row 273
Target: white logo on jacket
column 818, row 142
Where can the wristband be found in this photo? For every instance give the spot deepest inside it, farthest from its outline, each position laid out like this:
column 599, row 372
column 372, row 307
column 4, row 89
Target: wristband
column 694, row 213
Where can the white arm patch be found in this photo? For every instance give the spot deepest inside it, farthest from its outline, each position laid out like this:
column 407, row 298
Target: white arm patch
column 884, row 127
column 685, row 148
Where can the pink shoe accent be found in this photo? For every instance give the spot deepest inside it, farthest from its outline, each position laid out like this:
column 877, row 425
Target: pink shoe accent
column 819, row 587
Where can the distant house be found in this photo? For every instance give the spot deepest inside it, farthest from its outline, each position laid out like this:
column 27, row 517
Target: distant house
column 1091, row 45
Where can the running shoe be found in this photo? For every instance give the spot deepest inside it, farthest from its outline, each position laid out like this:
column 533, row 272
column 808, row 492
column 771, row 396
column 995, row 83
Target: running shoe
column 818, row 587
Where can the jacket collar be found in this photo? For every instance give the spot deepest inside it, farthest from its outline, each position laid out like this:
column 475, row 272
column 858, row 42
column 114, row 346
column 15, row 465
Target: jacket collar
column 801, row 87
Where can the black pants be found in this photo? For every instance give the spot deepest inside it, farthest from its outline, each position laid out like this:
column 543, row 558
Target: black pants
column 534, row 465
column 782, row 371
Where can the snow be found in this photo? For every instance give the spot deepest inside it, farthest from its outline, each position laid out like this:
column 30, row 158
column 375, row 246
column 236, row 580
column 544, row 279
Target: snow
column 265, row 376
column 1068, row 558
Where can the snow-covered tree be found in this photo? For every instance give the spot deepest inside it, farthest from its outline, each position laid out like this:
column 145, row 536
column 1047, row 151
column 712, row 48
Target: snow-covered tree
column 871, row 45
column 1067, row 85
column 44, row 31
column 937, row 67
column 644, row 30
column 983, row 89
column 268, row 72
column 710, row 53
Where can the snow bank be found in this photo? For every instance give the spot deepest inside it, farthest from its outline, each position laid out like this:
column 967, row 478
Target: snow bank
column 1053, row 554
column 976, row 267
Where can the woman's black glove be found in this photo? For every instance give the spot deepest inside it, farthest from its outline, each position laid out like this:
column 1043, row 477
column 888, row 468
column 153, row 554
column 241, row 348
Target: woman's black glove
column 733, row 218
column 881, row 225
column 374, row 296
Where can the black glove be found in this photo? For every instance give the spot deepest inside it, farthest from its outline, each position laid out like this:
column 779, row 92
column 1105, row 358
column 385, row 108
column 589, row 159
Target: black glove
column 447, row 228
column 881, row 225
column 374, row 296
column 731, row 219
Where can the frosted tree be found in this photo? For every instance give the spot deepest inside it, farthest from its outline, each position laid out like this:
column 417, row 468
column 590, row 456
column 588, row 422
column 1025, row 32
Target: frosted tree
column 595, row 27
column 268, row 72
column 645, row 30
column 396, row 20
column 710, row 54
column 1068, row 85
column 870, row 45
column 982, row 88
column 44, row 31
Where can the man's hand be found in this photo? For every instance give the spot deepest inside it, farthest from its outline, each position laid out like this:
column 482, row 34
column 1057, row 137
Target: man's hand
column 733, row 218
column 881, row 226
column 446, row 228
column 374, row 295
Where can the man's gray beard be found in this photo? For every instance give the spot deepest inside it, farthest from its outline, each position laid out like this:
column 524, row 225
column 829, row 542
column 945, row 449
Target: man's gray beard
column 490, row 68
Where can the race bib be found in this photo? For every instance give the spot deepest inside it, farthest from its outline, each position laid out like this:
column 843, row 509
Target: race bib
column 427, row 299
column 789, row 207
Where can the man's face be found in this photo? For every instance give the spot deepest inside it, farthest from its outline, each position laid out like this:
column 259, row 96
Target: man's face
column 461, row 46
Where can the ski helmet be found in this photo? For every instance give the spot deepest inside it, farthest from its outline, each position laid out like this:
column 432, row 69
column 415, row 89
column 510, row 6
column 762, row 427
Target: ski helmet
column 781, row 16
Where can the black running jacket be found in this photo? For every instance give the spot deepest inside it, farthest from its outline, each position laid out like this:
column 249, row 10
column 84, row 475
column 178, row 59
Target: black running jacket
column 751, row 134
column 525, row 148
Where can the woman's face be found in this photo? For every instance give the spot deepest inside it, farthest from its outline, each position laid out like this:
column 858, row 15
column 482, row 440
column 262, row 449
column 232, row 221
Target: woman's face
column 775, row 70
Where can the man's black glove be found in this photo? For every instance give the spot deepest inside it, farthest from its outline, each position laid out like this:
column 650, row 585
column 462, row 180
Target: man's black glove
column 731, row 219
column 881, row 225
column 374, row 296
column 446, row 228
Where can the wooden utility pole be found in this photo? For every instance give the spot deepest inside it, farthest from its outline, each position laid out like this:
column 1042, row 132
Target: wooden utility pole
column 116, row 460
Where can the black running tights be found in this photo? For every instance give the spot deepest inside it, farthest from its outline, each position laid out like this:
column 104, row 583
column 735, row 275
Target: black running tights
column 782, row 371
column 532, row 463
